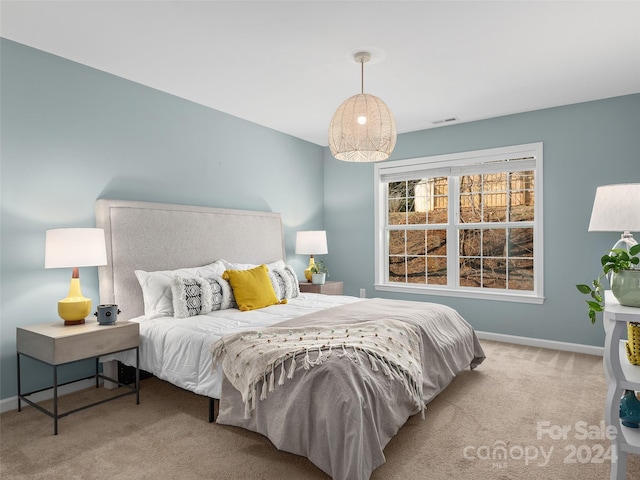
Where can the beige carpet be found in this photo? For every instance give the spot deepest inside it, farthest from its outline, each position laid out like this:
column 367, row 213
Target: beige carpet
column 493, row 409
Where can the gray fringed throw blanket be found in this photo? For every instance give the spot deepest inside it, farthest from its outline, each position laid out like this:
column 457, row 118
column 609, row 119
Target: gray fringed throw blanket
column 256, row 357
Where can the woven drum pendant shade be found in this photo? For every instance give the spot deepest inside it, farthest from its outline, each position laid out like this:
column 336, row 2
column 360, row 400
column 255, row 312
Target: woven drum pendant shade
column 363, row 128
column 369, row 142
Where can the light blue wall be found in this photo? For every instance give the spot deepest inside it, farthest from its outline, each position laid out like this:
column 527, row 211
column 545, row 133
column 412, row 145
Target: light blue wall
column 585, row 145
column 72, row 134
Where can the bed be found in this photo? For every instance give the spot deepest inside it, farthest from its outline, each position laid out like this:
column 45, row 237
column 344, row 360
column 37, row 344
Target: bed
column 336, row 376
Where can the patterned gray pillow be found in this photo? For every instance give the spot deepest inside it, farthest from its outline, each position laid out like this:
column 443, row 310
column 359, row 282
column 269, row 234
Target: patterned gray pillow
column 191, row 296
column 278, row 284
column 295, row 286
column 285, row 282
column 221, row 294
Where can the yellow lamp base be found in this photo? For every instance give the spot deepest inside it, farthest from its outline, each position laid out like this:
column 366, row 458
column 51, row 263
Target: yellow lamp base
column 75, row 308
column 308, row 273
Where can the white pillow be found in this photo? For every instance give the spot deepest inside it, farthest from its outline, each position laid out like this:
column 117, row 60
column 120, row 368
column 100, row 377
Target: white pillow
column 156, row 287
column 249, row 266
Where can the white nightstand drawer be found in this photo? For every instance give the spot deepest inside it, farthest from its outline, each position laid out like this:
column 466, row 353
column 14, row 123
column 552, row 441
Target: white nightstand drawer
column 56, row 343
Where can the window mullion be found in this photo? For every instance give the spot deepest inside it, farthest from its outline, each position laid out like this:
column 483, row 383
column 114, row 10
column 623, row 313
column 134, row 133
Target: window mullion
column 453, row 239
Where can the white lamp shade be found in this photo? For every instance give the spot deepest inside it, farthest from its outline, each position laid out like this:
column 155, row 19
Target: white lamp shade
column 311, row 242
column 616, row 208
column 75, row 247
column 362, row 130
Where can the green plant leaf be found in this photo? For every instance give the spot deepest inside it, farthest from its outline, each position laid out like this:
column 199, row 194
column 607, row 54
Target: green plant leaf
column 635, row 250
column 594, row 306
column 584, row 289
column 596, row 296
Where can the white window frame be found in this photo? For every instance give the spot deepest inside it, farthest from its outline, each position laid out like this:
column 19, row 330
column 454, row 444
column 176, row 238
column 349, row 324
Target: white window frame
column 481, row 161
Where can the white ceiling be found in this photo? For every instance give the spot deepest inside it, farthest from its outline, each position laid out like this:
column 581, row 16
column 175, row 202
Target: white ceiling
column 288, row 65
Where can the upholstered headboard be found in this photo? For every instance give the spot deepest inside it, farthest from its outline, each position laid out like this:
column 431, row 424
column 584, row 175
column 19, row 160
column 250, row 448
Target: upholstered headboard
column 156, row 236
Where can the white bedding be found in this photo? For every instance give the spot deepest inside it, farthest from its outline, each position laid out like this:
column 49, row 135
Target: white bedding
column 177, row 349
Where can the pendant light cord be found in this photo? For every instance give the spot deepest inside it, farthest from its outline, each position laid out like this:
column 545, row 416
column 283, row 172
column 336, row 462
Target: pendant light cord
column 362, row 75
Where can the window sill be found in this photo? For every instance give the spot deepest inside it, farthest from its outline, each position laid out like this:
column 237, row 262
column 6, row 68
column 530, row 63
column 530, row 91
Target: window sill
column 462, row 293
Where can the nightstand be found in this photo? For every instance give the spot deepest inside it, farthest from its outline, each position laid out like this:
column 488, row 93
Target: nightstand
column 328, row 288
column 56, row 344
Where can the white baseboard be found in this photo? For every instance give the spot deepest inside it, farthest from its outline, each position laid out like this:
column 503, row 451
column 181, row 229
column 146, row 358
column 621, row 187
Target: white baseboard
column 7, row 404
column 539, row 342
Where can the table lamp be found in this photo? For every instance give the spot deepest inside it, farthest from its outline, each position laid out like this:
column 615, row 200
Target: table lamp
column 311, row 242
column 73, row 248
column 616, row 208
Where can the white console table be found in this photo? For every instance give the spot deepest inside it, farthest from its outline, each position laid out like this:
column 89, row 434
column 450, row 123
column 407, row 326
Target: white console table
column 621, row 376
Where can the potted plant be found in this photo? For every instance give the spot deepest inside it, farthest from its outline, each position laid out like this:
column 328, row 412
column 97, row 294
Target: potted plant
column 319, row 273
column 624, row 281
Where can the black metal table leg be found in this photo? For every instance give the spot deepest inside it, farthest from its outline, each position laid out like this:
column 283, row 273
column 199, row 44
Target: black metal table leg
column 19, row 387
column 55, row 399
column 137, row 375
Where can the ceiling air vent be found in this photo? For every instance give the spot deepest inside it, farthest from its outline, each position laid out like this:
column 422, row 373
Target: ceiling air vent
column 445, row 120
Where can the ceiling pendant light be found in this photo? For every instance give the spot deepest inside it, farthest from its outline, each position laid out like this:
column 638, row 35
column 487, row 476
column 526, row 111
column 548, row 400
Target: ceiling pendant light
column 363, row 128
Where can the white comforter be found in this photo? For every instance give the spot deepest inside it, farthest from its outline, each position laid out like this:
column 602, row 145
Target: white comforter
column 177, row 350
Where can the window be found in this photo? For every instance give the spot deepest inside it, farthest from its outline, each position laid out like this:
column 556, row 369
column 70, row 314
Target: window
column 467, row 224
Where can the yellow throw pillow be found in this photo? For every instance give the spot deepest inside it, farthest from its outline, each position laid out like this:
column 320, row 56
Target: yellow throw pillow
column 252, row 288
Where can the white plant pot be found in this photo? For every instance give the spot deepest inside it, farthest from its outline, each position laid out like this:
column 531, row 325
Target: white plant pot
column 318, row 278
